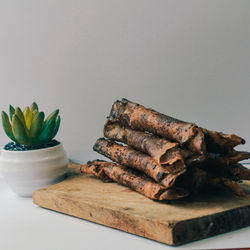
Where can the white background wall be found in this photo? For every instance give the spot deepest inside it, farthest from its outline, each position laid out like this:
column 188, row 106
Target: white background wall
column 189, row 59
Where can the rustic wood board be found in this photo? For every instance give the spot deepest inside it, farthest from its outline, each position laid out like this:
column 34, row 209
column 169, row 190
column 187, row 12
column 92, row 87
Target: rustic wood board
column 172, row 223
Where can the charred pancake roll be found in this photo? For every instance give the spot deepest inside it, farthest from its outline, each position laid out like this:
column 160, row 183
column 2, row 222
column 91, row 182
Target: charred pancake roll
column 95, row 168
column 229, row 159
column 140, row 118
column 161, row 150
column 239, row 172
column 216, row 182
column 235, row 172
column 137, row 160
column 225, row 165
column 217, row 142
column 132, row 179
column 193, row 180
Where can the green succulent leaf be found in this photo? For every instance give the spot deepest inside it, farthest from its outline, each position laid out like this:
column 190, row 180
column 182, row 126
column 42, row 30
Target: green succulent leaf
column 33, row 107
column 57, row 125
column 33, row 114
column 11, row 111
column 7, row 126
column 47, row 132
column 19, row 131
column 27, row 117
column 51, row 116
column 20, row 115
column 36, row 125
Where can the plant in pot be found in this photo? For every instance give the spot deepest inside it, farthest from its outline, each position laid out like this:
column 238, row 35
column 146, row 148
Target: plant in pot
column 33, row 159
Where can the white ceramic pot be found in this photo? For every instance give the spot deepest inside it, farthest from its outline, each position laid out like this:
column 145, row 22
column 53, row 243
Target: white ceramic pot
column 27, row 171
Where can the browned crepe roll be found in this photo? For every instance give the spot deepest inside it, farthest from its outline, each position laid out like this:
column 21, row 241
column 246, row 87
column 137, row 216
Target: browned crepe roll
column 137, row 160
column 132, row 179
column 229, row 158
column 216, row 182
column 234, row 172
column 95, row 168
column 161, row 150
column 140, row 118
column 217, row 142
column 191, row 136
column 193, row 180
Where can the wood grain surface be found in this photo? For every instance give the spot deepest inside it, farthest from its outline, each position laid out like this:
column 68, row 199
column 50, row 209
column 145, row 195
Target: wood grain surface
column 172, row 223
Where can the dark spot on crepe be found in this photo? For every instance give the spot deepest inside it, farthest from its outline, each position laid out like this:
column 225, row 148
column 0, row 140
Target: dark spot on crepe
column 97, row 168
column 159, row 175
column 119, row 158
column 126, row 118
column 110, row 143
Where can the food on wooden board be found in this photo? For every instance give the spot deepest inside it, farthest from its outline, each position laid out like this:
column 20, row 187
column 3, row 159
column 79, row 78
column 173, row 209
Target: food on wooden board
column 217, row 142
column 239, row 172
column 132, row 179
column 193, row 180
column 229, row 158
column 163, row 153
column 140, row 118
column 137, row 160
column 95, row 168
column 161, row 150
column 235, row 172
column 217, row 182
column 193, row 137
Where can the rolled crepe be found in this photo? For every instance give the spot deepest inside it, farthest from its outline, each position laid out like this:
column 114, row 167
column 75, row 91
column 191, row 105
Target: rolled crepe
column 132, row 179
column 217, row 142
column 164, row 152
column 217, row 160
column 230, row 158
column 140, row 118
column 234, row 172
column 137, row 160
column 216, row 182
column 225, row 165
column 193, row 180
column 239, row 172
column 191, row 136
column 95, row 168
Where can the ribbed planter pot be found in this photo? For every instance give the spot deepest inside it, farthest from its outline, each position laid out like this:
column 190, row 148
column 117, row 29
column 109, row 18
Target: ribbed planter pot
column 27, row 171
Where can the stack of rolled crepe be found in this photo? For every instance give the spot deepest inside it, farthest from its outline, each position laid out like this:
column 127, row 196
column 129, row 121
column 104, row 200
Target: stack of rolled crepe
column 164, row 158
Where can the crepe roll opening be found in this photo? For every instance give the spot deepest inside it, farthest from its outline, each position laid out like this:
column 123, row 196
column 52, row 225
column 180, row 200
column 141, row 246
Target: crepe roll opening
column 171, row 156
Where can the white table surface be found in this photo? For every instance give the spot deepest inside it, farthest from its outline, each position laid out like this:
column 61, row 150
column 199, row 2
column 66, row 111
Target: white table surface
column 24, row 225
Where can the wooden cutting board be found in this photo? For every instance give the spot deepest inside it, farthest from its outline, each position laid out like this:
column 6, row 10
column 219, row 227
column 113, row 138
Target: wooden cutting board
column 172, row 223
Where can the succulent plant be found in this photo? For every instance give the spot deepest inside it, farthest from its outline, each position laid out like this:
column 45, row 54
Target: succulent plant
column 29, row 127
